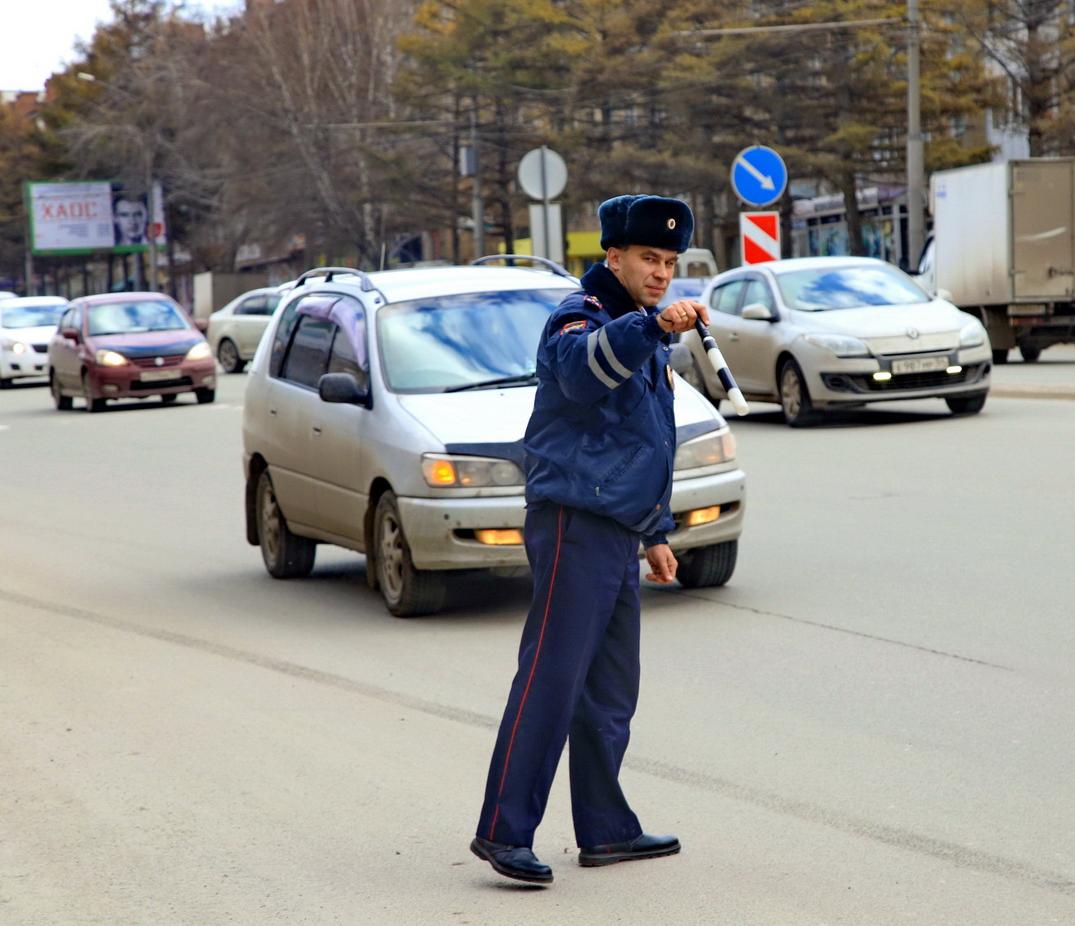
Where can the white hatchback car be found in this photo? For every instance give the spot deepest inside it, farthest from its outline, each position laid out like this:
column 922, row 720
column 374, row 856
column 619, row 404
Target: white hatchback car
column 828, row 332
column 385, row 413
column 26, row 325
column 235, row 330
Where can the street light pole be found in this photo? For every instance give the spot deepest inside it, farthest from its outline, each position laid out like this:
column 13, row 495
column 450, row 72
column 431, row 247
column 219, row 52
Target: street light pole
column 151, row 232
column 915, row 158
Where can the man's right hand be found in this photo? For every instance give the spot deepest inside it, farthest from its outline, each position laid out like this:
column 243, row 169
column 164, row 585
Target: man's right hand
column 681, row 315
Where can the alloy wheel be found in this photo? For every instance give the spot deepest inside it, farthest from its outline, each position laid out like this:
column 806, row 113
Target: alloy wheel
column 390, row 557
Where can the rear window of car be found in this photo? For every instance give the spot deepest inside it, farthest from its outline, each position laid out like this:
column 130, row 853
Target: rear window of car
column 448, row 342
column 135, row 317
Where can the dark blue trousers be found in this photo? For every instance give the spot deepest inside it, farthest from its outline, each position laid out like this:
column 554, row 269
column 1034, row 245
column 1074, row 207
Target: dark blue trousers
column 577, row 680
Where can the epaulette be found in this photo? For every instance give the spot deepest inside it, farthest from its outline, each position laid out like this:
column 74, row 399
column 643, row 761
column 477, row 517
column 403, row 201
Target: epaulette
column 595, row 302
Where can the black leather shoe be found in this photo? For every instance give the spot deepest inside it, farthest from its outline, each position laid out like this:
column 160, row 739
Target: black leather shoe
column 518, row 862
column 644, row 846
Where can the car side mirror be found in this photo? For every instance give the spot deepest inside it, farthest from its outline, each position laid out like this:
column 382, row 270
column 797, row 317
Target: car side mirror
column 757, row 312
column 342, row 388
column 71, row 334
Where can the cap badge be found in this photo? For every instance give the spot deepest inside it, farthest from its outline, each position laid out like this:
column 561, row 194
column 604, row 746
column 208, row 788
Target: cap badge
column 671, row 224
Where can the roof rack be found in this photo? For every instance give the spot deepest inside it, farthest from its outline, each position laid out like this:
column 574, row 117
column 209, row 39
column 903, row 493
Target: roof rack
column 550, row 265
column 367, row 285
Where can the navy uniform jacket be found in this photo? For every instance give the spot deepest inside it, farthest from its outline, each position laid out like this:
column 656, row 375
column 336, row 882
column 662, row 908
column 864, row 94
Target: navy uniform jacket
column 602, row 436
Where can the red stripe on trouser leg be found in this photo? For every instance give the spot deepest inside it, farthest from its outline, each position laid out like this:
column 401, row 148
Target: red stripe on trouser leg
column 533, row 669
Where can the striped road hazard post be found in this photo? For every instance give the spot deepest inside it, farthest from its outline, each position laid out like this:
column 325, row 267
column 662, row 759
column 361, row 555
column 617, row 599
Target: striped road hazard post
column 759, row 236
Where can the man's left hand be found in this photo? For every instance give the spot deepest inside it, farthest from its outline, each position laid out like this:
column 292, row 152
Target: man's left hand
column 663, row 563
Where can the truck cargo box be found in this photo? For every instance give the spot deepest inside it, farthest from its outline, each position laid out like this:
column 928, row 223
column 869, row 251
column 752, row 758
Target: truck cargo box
column 1003, row 233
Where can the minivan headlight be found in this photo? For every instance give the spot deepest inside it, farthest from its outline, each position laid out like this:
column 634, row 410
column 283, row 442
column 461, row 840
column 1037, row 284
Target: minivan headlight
column 449, row 471
column 839, row 344
column 707, row 450
column 972, row 334
column 109, row 358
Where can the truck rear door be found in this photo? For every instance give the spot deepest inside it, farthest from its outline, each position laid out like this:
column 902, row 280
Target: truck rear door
column 1043, row 241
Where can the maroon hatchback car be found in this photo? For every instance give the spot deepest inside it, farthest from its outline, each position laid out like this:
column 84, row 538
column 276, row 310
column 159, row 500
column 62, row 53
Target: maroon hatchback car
column 128, row 345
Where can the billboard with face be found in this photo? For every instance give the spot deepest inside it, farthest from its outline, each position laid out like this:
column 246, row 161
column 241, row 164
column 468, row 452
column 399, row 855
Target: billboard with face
column 77, row 217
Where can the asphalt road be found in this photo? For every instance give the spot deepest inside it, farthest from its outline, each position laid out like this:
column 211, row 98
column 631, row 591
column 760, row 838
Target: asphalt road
column 872, row 724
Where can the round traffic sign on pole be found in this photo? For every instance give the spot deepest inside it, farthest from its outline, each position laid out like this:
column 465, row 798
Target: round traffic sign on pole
column 759, row 175
column 542, row 174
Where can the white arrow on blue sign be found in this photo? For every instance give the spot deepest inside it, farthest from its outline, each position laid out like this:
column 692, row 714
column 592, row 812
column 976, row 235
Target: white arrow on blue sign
column 759, row 175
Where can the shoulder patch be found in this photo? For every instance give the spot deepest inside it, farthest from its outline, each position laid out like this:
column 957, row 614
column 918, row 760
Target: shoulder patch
column 579, row 325
column 594, row 301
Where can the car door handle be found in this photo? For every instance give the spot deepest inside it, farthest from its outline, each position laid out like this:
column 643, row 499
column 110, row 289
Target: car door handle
column 317, row 429
column 272, row 411
column 732, row 336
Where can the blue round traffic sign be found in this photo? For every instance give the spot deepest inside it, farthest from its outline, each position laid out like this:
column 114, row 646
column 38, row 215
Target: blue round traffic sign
column 759, row 175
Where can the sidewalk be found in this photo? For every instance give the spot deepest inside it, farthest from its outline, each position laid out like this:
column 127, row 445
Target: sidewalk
column 1052, row 377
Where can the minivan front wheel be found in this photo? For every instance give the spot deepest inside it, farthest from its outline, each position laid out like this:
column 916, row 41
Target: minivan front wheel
column 286, row 555
column 706, row 567
column 406, row 591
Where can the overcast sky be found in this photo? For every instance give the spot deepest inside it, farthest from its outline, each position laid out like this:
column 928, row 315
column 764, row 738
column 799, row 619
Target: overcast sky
column 37, row 37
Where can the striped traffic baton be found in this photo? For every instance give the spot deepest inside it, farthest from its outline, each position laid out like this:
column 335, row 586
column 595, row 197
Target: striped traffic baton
column 735, row 396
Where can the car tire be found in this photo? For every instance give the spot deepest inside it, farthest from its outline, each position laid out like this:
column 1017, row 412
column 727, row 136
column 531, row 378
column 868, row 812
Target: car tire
column 169, row 398
column 966, row 405
column 6, row 383
column 406, row 591
column 205, row 396
column 707, row 566
column 228, row 355
column 286, row 555
column 794, row 396
column 1000, row 355
column 1030, row 352
column 92, row 405
column 63, row 403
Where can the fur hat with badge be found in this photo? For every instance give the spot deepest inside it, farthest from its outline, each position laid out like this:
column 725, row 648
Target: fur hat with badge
column 654, row 221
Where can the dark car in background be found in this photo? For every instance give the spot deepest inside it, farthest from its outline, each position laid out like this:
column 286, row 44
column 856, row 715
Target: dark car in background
column 128, row 345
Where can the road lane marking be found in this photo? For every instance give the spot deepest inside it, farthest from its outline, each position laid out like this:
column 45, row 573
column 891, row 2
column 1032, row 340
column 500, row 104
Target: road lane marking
column 895, row 837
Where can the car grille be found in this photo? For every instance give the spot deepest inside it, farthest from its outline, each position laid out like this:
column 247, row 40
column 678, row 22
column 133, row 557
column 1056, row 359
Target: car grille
column 923, row 344
column 170, row 360
column 906, row 382
column 41, row 348
column 137, row 386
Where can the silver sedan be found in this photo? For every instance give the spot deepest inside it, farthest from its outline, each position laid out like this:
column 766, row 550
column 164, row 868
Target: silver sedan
column 837, row 332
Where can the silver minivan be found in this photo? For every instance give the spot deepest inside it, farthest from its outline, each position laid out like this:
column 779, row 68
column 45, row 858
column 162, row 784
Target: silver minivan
column 385, row 413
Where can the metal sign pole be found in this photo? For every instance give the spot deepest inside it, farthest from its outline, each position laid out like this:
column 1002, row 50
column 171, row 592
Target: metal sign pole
column 544, row 203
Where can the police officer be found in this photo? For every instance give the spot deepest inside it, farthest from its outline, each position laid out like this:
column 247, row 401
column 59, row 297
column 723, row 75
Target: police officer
column 600, row 446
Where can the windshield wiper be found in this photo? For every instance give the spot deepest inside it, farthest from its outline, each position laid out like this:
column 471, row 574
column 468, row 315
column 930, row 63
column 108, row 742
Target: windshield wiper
column 520, row 379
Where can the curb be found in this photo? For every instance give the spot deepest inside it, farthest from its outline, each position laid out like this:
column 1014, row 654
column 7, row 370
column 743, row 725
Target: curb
column 1032, row 392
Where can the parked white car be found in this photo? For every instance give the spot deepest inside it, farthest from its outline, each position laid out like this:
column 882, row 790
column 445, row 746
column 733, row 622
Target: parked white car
column 385, row 413
column 26, row 325
column 235, row 330
column 819, row 333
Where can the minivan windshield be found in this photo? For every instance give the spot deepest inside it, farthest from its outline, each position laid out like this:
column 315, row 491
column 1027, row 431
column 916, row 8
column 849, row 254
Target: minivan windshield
column 456, row 342
column 135, row 317
column 848, row 287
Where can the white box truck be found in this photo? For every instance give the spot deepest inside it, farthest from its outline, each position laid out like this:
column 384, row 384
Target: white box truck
column 1003, row 249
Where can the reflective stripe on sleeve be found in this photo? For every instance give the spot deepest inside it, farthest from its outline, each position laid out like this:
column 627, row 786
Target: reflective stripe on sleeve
column 591, row 360
column 613, row 360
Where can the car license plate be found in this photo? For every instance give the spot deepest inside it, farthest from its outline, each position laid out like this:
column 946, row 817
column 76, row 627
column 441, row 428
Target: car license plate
column 919, row 365
column 154, row 376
